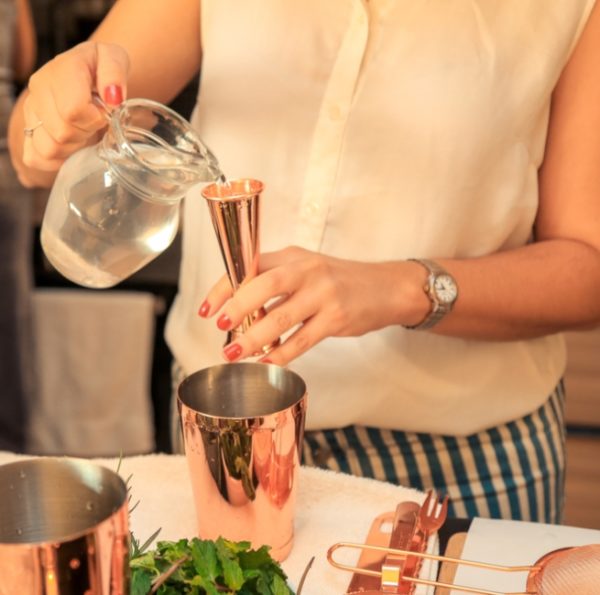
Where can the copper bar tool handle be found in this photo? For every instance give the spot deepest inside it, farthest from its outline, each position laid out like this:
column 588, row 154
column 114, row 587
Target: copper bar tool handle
column 403, row 535
column 377, row 573
column 403, row 524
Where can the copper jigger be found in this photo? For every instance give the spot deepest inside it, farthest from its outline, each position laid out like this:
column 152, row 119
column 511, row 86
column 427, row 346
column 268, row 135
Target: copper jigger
column 234, row 210
column 243, row 425
column 63, row 529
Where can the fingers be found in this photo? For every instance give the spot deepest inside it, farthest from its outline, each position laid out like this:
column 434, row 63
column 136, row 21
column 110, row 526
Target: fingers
column 216, row 297
column 60, row 96
column 288, row 255
column 290, row 312
column 303, row 339
column 111, row 73
column 40, row 149
column 290, row 316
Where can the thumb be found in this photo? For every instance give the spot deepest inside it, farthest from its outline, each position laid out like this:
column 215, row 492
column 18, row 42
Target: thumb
column 112, row 67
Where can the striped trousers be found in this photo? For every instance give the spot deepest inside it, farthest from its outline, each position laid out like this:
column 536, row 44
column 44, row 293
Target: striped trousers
column 513, row 471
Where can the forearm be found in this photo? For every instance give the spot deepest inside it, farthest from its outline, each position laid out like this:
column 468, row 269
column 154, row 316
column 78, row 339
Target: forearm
column 25, row 42
column 123, row 55
column 542, row 288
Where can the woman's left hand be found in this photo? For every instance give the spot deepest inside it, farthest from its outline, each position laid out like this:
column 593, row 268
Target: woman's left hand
column 316, row 296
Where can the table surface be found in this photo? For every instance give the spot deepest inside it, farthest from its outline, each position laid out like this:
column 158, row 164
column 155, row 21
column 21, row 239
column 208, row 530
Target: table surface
column 331, row 507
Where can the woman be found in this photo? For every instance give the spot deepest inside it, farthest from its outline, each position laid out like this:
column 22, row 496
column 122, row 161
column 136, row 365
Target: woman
column 17, row 60
column 455, row 133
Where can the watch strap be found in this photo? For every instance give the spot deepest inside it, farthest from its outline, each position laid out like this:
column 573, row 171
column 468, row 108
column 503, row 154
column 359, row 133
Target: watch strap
column 438, row 310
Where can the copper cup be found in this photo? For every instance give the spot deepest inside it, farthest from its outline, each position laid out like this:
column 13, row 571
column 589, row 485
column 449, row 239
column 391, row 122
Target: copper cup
column 243, row 425
column 63, row 529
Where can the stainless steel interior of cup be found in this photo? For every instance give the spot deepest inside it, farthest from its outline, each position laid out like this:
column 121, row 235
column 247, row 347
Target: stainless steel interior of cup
column 242, row 390
column 51, row 500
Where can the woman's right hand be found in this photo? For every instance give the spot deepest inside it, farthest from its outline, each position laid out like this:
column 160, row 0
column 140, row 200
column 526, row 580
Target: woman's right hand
column 59, row 103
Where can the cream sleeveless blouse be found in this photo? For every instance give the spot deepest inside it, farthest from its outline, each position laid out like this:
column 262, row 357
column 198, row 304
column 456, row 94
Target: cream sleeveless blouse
column 383, row 130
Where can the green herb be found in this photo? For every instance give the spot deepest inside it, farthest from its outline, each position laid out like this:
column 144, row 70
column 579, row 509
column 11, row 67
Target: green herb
column 205, row 567
column 199, row 567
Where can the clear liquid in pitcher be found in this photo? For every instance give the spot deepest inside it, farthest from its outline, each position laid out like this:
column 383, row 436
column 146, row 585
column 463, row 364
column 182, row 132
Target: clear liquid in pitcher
column 98, row 232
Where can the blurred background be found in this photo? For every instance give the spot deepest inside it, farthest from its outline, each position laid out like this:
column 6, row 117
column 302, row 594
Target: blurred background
column 77, row 333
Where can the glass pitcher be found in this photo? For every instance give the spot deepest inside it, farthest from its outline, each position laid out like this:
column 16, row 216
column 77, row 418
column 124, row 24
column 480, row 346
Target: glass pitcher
column 115, row 206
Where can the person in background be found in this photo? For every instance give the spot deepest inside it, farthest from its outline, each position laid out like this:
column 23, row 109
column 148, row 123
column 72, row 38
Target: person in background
column 435, row 166
column 17, row 61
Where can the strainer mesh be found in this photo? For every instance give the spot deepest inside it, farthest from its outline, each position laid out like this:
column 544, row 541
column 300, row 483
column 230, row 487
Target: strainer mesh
column 575, row 571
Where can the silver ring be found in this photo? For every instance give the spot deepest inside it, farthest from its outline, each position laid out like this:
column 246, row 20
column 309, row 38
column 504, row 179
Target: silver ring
column 28, row 132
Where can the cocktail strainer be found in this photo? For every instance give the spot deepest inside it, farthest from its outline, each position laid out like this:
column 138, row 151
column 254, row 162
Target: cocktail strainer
column 569, row 570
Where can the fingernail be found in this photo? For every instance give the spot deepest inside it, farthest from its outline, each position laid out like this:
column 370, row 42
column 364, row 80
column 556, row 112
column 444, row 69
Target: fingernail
column 224, row 322
column 266, row 360
column 232, row 351
column 113, row 94
column 204, row 309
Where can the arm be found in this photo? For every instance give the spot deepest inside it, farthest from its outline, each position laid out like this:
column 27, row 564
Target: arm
column 553, row 284
column 542, row 288
column 25, row 42
column 148, row 48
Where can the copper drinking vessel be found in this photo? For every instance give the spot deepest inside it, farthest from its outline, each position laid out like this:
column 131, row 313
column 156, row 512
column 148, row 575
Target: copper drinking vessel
column 63, row 529
column 243, row 425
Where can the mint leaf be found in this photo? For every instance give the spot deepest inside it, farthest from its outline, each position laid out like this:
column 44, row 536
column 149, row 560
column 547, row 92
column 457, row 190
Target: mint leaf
column 205, row 567
column 255, row 558
column 261, row 586
column 279, row 586
column 173, row 550
column 204, row 556
column 232, row 572
column 208, row 588
column 141, row 582
column 145, row 561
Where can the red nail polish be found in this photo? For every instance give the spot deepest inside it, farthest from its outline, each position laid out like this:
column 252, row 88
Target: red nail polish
column 113, row 94
column 204, row 309
column 233, row 351
column 224, row 322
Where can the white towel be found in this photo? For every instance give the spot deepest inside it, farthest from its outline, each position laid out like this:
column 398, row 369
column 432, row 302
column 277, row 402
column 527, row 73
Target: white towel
column 94, row 360
column 331, row 507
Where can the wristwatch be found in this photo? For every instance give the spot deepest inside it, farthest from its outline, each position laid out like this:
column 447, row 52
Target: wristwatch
column 442, row 291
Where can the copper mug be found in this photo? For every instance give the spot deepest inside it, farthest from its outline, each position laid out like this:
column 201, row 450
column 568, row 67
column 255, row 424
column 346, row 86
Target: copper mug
column 243, row 425
column 63, row 529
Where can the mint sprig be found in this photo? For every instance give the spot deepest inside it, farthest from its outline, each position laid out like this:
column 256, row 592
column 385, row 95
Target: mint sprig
column 206, row 567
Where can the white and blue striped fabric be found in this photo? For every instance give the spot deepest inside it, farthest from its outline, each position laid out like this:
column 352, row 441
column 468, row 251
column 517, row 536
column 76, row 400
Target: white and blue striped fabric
column 513, row 471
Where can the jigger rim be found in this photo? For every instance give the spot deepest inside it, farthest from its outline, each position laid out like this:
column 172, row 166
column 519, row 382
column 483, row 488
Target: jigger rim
column 237, row 189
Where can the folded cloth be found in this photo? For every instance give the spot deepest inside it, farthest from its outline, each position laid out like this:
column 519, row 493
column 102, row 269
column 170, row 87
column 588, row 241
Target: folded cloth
column 94, row 359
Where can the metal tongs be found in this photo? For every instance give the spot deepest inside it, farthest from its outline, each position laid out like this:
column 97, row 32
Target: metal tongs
column 406, row 555
column 569, row 570
column 386, row 564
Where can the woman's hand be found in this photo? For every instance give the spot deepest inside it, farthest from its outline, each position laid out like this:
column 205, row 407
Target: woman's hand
column 59, row 108
column 316, row 296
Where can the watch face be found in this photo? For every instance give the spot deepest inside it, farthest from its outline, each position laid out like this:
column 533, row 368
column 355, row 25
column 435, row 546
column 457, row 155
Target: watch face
column 445, row 289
